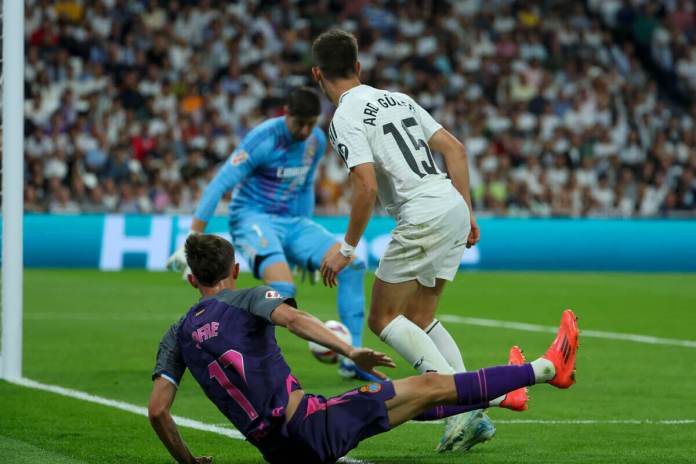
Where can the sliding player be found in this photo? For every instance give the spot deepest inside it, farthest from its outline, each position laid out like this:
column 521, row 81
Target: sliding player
column 386, row 140
column 273, row 171
column 227, row 341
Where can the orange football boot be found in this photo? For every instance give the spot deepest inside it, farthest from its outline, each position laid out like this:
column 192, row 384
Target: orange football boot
column 563, row 350
column 517, row 399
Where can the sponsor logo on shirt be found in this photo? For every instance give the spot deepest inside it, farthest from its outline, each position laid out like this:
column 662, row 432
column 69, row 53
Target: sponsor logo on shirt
column 310, row 149
column 239, row 158
column 272, row 295
column 292, row 172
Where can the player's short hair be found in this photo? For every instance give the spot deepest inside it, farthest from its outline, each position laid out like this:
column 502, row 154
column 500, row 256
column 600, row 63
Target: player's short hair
column 304, row 102
column 335, row 53
column 210, row 258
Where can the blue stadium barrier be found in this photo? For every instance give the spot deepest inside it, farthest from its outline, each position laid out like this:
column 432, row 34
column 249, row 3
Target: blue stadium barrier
column 113, row 242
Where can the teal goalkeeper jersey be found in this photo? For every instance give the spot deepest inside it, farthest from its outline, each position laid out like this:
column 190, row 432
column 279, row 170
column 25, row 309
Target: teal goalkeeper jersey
column 270, row 171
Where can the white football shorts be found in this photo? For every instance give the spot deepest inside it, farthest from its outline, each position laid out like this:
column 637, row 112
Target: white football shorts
column 428, row 251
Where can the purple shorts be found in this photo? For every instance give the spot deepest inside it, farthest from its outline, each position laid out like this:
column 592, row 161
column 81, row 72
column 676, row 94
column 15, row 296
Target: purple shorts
column 323, row 430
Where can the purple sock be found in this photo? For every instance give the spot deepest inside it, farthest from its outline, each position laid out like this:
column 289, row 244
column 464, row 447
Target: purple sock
column 484, row 385
column 440, row 412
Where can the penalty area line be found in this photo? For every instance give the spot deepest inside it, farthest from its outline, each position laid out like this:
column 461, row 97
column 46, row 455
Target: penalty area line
column 142, row 411
column 648, row 339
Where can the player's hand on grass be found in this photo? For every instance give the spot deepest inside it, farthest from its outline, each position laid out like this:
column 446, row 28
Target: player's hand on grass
column 474, row 234
column 331, row 266
column 367, row 359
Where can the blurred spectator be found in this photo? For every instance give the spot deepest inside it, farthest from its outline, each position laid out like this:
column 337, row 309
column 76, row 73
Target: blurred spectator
column 566, row 108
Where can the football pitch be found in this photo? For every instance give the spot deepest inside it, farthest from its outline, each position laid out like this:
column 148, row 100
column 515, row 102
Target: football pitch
column 97, row 333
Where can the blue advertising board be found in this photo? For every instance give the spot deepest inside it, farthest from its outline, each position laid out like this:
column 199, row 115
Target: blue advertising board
column 113, row 242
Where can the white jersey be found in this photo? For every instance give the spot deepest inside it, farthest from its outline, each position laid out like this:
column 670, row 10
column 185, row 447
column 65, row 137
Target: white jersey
column 391, row 131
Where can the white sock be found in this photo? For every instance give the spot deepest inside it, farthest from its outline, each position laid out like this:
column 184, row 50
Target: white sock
column 411, row 342
column 497, row 401
column 543, row 370
column 446, row 345
column 450, row 351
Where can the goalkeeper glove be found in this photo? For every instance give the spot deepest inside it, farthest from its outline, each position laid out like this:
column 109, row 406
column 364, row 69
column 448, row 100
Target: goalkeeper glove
column 177, row 262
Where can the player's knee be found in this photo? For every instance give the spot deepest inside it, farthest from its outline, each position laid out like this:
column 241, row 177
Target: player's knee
column 286, row 289
column 381, row 316
column 377, row 321
column 421, row 320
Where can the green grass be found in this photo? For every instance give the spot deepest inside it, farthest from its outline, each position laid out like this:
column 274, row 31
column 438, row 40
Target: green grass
column 98, row 333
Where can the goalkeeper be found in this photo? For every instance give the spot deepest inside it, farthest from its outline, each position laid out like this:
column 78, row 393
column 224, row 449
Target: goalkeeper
column 273, row 172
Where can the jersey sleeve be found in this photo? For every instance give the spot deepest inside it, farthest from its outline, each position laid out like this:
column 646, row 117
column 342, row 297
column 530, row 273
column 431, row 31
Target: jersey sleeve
column 242, row 161
column 263, row 300
column 349, row 139
column 169, row 363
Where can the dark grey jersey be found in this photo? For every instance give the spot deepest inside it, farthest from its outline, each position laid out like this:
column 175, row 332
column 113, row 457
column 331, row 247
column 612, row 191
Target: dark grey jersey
column 228, row 344
column 259, row 301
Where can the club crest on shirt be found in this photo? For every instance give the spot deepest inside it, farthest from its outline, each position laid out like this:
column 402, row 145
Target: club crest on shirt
column 371, row 388
column 239, row 158
column 273, row 295
column 310, row 149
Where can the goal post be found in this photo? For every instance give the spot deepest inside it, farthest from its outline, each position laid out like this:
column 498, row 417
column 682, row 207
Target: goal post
column 12, row 186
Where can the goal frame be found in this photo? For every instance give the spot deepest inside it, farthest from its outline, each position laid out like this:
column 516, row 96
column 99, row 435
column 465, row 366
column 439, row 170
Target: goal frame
column 12, row 187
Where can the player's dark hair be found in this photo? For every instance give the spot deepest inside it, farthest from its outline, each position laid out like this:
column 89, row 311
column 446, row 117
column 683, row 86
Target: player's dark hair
column 335, row 53
column 210, row 258
column 304, row 102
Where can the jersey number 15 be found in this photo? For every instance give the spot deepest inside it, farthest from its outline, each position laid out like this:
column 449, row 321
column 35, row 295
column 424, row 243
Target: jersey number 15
column 429, row 165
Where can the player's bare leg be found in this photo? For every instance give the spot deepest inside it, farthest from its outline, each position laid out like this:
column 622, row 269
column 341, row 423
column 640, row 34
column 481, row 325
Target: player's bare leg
column 465, row 430
column 279, row 276
column 386, row 319
column 277, row 272
column 421, row 308
column 433, row 396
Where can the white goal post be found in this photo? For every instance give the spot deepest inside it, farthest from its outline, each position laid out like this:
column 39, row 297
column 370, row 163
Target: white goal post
column 12, row 186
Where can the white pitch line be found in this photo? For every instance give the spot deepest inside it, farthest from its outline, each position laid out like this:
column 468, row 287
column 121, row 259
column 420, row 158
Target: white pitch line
column 142, row 411
column 123, row 406
column 649, row 339
column 235, row 434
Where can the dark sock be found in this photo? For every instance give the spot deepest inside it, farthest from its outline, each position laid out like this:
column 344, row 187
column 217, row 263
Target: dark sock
column 440, row 412
column 484, row 385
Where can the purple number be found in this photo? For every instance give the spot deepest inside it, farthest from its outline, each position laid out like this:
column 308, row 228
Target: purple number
column 232, row 358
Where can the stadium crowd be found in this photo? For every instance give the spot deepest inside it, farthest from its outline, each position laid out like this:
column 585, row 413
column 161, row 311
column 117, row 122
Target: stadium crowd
column 131, row 105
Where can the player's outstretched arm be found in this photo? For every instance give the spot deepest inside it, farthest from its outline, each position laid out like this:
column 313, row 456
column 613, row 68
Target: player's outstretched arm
column 161, row 399
column 364, row 183
column 310, row 328
column 229, row 175
column 454, row 153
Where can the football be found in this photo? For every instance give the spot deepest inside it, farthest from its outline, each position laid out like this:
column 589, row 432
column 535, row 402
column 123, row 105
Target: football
column 325, row 354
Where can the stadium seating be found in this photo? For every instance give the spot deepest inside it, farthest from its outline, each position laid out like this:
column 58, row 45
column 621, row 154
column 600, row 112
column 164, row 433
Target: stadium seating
column 131, row 105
